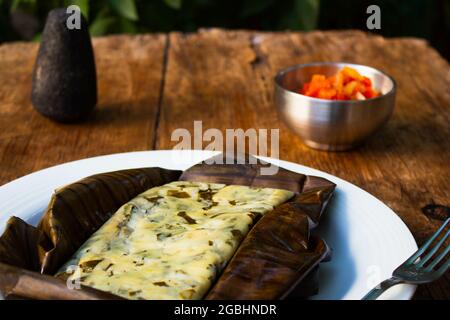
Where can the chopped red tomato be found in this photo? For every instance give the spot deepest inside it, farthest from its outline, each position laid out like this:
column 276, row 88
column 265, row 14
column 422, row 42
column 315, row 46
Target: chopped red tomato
column 347, row 84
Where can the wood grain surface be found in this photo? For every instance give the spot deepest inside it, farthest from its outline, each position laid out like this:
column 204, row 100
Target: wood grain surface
column 150, row 85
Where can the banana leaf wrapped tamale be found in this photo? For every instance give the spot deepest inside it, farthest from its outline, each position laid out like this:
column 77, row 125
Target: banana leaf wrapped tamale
column 67, row 224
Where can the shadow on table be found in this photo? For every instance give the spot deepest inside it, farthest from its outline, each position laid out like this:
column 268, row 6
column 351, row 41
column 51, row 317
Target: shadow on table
column 402, row 137
column 120, row 114
column 336, row 276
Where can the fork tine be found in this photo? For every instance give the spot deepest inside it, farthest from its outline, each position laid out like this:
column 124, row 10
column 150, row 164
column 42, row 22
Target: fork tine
column 426, row 244
column 433, row 250
column 438, row 259
column 444, row 267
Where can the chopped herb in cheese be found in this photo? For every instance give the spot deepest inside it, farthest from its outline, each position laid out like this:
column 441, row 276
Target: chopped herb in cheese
column 172, row 241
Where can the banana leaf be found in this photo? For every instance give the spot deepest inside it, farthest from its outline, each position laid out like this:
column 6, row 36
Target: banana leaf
column 279, row 244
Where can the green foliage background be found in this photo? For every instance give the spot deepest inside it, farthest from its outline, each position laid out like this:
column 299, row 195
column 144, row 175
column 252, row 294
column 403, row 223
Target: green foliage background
column 430, row 19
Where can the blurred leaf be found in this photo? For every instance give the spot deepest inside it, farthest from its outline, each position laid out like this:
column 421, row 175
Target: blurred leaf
column 16, row 4
column 303, row 15
column 157, row 16
column 253, row 7
column 101, row 26
column 83, row 4
column 126, row 26
column 37, row 37
column 308, row 13
column 102, row 23
column 125, row 8
column 174, row 4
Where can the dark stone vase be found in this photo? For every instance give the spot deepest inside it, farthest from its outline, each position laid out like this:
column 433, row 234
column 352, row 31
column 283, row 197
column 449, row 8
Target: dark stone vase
column 64, row 77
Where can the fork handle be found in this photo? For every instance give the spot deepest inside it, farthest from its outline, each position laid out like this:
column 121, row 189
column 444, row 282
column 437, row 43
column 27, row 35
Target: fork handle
column 382, row 287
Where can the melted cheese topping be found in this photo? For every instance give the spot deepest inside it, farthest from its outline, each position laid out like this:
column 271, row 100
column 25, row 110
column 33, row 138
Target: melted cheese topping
column 172, row 241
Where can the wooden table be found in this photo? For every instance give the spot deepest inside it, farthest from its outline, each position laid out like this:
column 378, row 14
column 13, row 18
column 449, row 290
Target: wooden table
column 150, row 85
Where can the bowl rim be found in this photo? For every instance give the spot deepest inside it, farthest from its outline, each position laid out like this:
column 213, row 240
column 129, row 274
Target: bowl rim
column 280, row 74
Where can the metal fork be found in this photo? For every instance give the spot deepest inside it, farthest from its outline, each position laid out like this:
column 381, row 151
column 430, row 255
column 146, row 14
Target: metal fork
column 413, row 270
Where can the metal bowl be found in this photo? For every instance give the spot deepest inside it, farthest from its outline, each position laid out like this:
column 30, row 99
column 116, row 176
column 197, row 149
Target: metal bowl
column 331, row 124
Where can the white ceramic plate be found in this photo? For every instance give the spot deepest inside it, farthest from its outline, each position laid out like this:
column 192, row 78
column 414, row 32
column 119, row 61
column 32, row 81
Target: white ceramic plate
column 368, row 239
